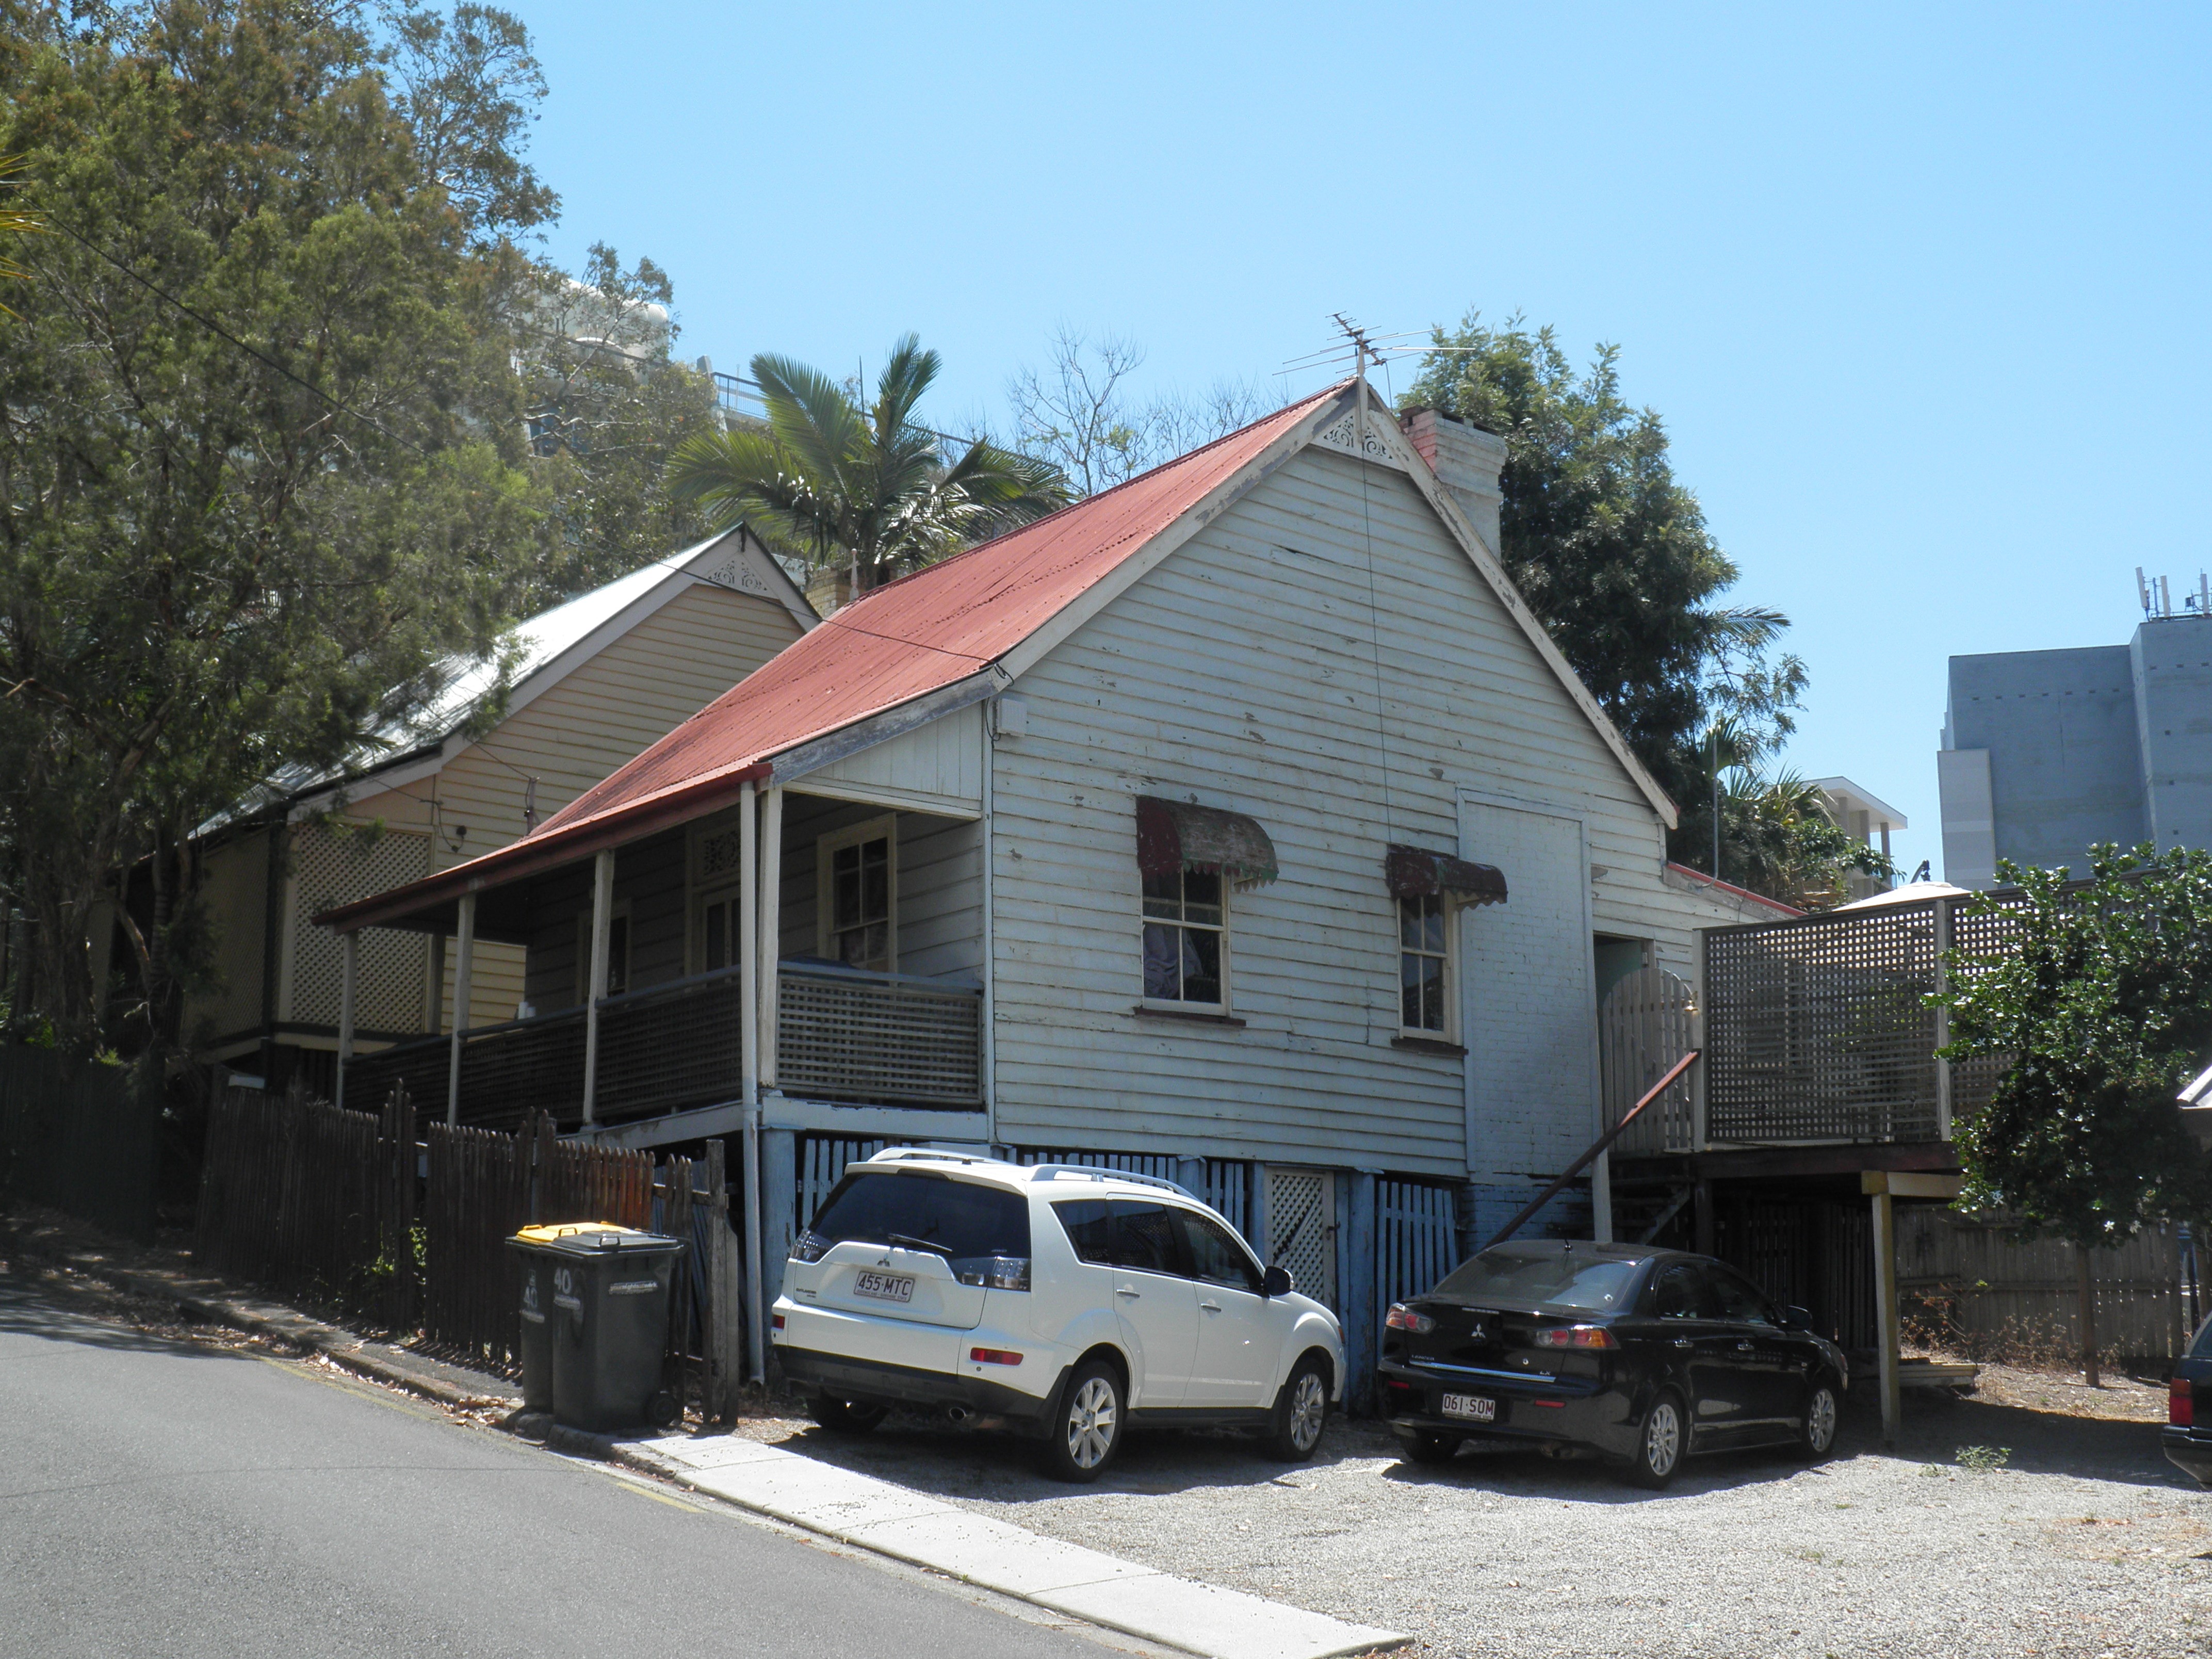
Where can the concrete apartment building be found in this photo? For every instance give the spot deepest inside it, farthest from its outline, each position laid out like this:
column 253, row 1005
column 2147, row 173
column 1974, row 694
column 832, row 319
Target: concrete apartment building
column 2047, row 753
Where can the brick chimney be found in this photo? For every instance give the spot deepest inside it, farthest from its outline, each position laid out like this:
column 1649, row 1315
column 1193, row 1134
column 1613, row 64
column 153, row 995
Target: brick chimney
column 1467, row 461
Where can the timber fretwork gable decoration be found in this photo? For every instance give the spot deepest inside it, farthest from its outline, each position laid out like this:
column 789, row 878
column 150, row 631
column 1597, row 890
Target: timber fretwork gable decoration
column 1338, row 435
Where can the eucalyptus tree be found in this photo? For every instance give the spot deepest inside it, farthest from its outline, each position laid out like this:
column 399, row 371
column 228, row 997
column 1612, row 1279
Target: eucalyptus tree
column 259, row 447
column 835, row 481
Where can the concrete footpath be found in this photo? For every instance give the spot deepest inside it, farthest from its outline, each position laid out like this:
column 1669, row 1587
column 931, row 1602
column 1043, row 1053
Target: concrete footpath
column 854, row 1509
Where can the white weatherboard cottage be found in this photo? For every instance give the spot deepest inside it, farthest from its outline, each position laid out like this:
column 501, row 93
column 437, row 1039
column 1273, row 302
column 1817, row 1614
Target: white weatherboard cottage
column 1240, row 824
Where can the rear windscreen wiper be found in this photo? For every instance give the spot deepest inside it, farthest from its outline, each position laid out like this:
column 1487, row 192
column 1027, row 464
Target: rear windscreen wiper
column 907, row 1241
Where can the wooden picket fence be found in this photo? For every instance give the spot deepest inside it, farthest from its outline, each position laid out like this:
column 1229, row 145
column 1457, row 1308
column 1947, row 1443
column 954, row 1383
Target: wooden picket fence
column 351, row 1210
column 310, row 1201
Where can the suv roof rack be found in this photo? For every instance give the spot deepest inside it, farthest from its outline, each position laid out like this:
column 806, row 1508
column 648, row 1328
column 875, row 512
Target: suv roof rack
column 1053, row 1172
column 928, row 1155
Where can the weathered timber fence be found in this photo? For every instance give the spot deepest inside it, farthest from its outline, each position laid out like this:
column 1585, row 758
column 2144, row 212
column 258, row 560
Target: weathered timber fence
column 351, row 1210
column 1648, row 1022
column 82, row 1136
column 1978, row 1285
column 289, row 1197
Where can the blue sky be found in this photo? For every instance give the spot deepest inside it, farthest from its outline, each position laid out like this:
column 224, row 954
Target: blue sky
column 1920, row 292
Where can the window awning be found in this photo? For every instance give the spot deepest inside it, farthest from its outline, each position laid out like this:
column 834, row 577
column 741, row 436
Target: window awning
column 1414, row 874
column 1174, row 835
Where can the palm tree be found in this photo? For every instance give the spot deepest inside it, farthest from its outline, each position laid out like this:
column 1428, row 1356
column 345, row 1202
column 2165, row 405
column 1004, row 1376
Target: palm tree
column 834, row 483
column 15, row 221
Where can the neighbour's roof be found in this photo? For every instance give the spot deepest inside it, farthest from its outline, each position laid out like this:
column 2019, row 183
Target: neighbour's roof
column 1910, row 893
column 527, row 650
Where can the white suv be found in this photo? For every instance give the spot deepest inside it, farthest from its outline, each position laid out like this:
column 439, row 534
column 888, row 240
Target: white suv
column 1067, row 1301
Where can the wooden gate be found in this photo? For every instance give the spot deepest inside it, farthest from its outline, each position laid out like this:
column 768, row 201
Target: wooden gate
column 1647, row 1024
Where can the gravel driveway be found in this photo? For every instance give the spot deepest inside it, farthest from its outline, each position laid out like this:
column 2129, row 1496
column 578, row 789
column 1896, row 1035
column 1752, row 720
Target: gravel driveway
column 2081, row 1540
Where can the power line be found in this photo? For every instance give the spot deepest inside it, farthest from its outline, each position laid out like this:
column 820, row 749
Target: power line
column 222, row 333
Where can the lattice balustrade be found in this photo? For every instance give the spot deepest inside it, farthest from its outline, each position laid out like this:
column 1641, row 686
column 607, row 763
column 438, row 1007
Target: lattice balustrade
column 1302, row 1229
column 1973, row 1081
column 878, row 1037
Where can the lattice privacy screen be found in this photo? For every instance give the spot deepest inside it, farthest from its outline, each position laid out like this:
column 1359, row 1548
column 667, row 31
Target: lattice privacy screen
column 1818, row 1029
column 333, row 869
column 1302, row 1229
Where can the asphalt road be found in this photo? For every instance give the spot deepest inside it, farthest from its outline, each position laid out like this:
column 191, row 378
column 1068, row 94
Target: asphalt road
column 162, row 1497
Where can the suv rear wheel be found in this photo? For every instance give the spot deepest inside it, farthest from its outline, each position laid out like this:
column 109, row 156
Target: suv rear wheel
column 1084, row 1430
column 843, row 1416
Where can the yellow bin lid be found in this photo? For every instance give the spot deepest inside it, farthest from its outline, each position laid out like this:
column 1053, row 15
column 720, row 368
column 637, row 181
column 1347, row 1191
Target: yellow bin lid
column 546, row 1232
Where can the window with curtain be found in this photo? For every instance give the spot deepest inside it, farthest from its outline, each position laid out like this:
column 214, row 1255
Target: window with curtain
column 1187, row 938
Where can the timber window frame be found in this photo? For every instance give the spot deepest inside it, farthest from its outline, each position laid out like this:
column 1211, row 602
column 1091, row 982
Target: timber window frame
column 1184, row 940
column 618, row 943
column 1428, row 966
column 872, row 905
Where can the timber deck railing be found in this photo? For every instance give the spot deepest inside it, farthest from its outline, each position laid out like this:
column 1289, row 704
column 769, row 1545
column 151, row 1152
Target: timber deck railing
column 842, row 1035
column 1820, row 1030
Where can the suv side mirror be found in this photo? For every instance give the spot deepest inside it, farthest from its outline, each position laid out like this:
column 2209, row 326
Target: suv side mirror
column 1277, row 1282
column 1796, row 1319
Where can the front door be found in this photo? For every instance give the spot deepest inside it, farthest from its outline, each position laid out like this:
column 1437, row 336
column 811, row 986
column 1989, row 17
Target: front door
column 1156, row 1304
column 1699, row 1349
column 1239, row 1341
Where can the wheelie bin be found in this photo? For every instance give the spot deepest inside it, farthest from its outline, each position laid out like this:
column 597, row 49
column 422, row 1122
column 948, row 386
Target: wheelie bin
column 534, row 1265
column 607, row 1326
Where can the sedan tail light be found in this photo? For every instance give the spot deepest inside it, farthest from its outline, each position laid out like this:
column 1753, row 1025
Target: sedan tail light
column 1403, row 1318
column 1576, row 1336
column 2181, row 1404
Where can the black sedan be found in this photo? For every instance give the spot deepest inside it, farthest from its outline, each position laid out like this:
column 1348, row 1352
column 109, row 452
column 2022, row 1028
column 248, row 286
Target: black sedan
column 1643, row 1356
column 2188, row 1436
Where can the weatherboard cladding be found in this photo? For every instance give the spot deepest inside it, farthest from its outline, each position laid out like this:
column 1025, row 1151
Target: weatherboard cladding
column 1241, row 672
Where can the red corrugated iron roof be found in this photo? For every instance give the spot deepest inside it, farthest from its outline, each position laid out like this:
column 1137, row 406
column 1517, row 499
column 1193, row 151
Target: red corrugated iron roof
column 907, row 639
column 925, row 631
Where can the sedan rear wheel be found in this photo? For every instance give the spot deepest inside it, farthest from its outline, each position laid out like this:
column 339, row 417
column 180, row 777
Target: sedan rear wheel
column 1086, row 1431
column 1427, row 1447
column 1660, row 1446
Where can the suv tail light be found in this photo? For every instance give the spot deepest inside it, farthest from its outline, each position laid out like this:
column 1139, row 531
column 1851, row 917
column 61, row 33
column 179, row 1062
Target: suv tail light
column 1576, row 1336
column 1403, row 1318
column 2181, row 1404
column 810, row 1247
column 993, row 1272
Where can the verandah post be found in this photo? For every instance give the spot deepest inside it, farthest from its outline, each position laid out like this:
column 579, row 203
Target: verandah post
column 749, row 902
column 465, row 963
column 603, row 906
column 348, row 983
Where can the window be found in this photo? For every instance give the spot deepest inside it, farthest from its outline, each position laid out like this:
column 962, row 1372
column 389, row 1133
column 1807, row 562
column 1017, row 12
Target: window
column 718, row 933
column 1680, row 1294
column 617, row 953
column 1738, row 1302
column 1216, row 1257
column 1089, row 1226
column 967, row 1219
column 858, row 897
column 1542, row 1275
column 1186, row 937
column 1145, row 1238
column 1425, row 965
column 1124, row 1233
